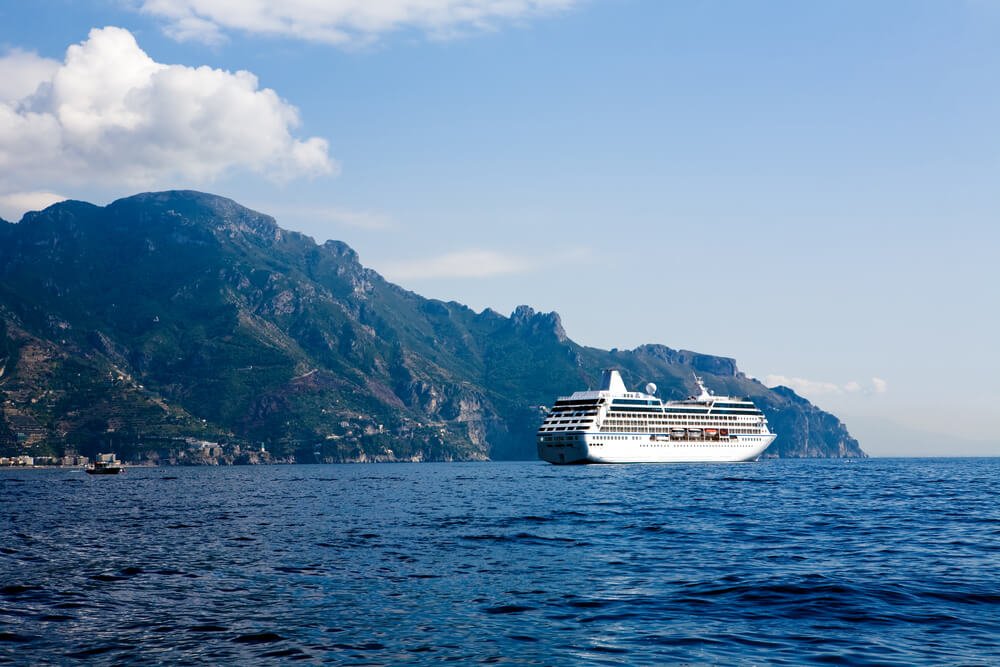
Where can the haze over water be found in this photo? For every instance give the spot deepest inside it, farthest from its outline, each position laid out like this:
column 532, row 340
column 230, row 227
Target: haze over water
column 782, row 562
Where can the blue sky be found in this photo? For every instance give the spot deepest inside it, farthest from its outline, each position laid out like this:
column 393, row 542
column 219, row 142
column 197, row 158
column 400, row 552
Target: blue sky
column 809, row 187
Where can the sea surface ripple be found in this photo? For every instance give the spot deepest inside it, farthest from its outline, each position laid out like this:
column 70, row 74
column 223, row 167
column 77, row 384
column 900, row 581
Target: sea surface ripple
column 874, row 562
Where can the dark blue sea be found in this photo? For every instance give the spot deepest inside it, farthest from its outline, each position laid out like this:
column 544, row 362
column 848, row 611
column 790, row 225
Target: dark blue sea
column 888, row 562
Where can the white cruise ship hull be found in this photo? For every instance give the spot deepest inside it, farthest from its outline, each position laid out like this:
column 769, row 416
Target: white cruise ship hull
column 638, row 448
column 614, row 425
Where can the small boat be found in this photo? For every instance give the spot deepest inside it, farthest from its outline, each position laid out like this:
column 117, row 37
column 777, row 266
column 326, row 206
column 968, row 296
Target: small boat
column 711, row 432
column 104, row 468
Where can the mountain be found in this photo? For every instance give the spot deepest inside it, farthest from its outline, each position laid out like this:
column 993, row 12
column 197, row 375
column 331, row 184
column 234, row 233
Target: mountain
column 169, row 319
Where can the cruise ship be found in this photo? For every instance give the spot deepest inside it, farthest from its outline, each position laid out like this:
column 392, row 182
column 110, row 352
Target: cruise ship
column 614, row 425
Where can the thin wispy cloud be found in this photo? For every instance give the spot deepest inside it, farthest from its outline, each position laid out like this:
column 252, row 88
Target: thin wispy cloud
column 358, row 219
column 14, row 204
column 325, row 218
column 341, row 22
column 475, row 263
column 460, row 264
column 813, row 388
column 108, row 113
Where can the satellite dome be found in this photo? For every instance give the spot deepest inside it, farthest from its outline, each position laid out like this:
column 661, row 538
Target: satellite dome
column 650, row 388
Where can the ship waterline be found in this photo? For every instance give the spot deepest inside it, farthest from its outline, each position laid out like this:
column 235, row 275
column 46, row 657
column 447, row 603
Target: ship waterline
column 614, row 425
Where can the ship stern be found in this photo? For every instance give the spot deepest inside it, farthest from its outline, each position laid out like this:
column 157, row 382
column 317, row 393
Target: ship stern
column 563, row 448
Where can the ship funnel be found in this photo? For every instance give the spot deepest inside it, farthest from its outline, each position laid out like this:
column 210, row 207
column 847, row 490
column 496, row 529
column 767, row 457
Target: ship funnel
column 612, row 381
column 705, row 394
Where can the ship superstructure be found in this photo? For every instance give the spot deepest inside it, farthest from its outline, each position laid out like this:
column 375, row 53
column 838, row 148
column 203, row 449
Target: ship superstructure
column 614, row 425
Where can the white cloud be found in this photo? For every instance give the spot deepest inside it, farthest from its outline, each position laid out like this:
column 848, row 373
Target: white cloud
column 194, row 29
column 475, row 263
column 21, row 72
column 802, row 385
column 370, row 220
column 813, row 388
column 342, row 22
column 317, row 218
column 111, row 114
column 461, row 264
column 13, row 205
